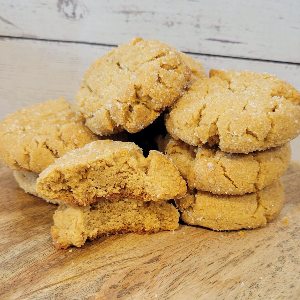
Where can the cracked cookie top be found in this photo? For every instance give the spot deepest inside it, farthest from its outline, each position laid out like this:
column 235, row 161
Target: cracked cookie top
column 129, row 87
column 108, row 169
column 210, row 169
column 33, row 137
column 240, row 111
column 228, row 212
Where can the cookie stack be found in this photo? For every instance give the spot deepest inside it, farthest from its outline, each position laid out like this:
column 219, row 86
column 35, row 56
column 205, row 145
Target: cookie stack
column 103, row 186
column 229, row 139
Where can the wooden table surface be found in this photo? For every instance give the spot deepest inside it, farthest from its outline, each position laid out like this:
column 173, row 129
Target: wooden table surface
column 189, row 263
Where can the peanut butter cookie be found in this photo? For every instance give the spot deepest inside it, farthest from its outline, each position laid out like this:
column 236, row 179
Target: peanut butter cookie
column 224, row 212
column 33, row 137
column 129, row 87
column 210, row 169
column 240, row 111
column 108, row 169
column 74, row 224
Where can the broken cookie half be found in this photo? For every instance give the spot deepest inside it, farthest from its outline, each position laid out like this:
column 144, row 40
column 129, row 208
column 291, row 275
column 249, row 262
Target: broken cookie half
column 74, row 224
column 109, row 169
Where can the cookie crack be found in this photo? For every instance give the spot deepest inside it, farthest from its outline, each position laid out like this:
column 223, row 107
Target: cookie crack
column 271, row 127
column 52, row 151
column 226, row 175
column 167, row 67
column 255, row 183
column 200, row 113
column 252, row 133
column 119, row 65
column 259, row 204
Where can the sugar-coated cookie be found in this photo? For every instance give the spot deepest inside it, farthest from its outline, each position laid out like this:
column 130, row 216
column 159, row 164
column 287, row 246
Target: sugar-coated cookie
column 224, row 212
column 33, row 137
column 210, row 169
column 74, row 224
column 240, row 111
column 27, row 181
column 108, row 169
column 129, row 87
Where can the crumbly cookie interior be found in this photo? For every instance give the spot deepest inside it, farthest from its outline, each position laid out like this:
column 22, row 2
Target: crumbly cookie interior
column 111, row 169
column 74, row 224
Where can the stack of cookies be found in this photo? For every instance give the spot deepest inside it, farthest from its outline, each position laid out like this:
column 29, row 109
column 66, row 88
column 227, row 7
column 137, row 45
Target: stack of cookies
column 77, row 156
column 229, row 139
column 228, row 142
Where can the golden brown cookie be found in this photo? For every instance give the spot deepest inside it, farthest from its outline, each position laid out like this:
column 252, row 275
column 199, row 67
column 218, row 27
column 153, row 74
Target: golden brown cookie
column 224, row 212
column 108, row 169
column 130, row 86
column 74, row 224
column 32, row 138
column 27, row 181
column 241, row 111
column 210, row 169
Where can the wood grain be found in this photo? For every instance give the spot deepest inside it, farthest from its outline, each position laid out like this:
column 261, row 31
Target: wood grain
column 266, row 30
column 189, row 263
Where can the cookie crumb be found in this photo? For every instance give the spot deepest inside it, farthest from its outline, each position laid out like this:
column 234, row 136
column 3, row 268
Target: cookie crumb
column 241, row 233
column 285, row 221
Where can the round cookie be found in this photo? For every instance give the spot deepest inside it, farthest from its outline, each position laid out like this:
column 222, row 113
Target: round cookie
column 210, row 169
column 240, row 111
column 109, row 169
column 27, row 181
column 129, row 87
column 223, row 212
column 32, row 138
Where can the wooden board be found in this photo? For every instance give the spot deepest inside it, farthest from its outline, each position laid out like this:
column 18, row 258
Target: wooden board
column 189, row 263
column 267, row 30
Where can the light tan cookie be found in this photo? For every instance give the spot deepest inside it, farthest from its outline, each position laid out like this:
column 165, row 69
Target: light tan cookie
column 74, row 224
column 223, row 212
column 130, row 86
column 107, row 169
column 32, row 138
column 27, row 181
column 241, row 111
column 210, row 169
column 196, row 67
